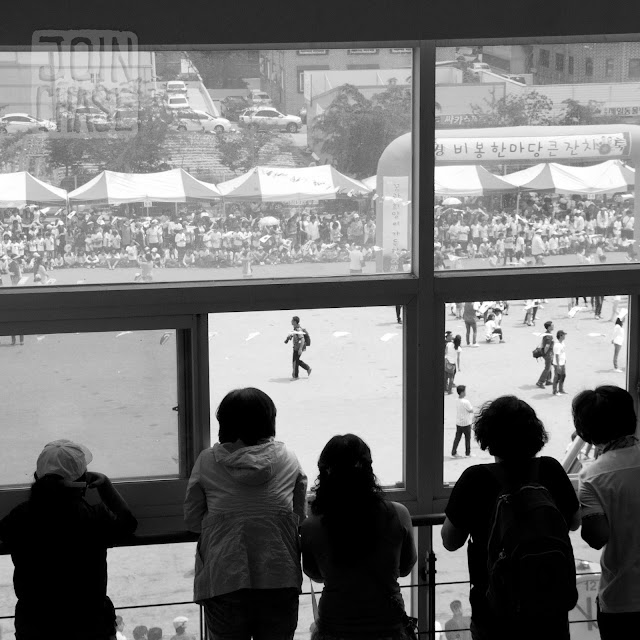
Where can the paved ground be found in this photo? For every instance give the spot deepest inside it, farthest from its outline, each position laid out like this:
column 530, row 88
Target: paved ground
column 356, row 385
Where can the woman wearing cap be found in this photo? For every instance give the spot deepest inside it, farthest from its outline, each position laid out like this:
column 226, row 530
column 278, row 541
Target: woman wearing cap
column 357, row 543
column 246, row 498
column 58, row 543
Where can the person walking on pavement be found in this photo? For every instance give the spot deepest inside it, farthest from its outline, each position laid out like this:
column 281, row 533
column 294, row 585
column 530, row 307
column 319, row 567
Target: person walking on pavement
column 559, row 363
column 470, row 320
column 598, row 300
column 464, row 420
column 399, row 313
column 298, row 335
column 547, row 348
column 616, row 341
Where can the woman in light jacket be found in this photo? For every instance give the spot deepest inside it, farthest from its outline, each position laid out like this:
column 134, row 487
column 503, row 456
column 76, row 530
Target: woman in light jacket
column 246, row 497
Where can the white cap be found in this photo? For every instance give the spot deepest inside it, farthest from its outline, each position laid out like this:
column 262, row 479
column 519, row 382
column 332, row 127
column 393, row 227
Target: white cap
column 63, row 458
column 180, row 621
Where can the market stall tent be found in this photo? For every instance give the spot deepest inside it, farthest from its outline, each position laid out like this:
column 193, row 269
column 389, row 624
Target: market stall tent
column 282, row 184
column 175, row 185
column 21, row 188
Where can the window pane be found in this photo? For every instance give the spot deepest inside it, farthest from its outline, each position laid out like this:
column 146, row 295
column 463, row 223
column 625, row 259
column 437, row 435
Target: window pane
column 534, row 163
column 114, row 392
column 356, row 386
column 494, row 368
column 301, row 214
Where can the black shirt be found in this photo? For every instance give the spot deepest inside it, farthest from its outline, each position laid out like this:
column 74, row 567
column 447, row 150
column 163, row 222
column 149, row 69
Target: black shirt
column 60, row 564
column 471, row 506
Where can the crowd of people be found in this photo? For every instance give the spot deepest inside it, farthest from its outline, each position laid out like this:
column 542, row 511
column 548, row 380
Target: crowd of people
column 542, row 226
column 247, row 500
column 142, row 632
column 95, row 238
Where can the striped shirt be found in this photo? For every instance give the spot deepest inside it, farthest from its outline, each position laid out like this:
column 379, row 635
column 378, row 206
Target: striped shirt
column 464, row 413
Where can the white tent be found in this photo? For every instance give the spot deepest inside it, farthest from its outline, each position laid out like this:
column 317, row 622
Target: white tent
column 175, row 185
column 281, row 184
column 606, row 177
column 370, row 182
column 467, row 180
column 21, row 188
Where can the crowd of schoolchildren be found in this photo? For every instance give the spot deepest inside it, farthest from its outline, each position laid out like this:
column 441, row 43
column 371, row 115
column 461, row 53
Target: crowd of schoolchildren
column 541, row 227
column 247, row 501
column 94, row 238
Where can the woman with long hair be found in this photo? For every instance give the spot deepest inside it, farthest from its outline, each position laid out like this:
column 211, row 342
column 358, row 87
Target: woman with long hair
column 358, row 544
column 246, row 498
column 452, row 353
column 512, row 432
column 616, row 340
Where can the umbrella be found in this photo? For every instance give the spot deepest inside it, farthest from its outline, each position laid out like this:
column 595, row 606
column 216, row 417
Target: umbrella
column 451, row 201
column 268, row 221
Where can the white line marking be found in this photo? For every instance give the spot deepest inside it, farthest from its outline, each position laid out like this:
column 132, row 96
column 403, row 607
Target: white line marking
column 596, row 335
column 252, row 335
column 123, row 333
column 212, row 335
column 40, row 338
column 388, row 336
column 340, row 334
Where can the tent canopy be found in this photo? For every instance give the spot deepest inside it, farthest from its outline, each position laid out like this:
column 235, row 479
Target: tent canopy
column 467, row 180
column 21, row 188
column 281, row 184
column 605, row 177
column 175, row 185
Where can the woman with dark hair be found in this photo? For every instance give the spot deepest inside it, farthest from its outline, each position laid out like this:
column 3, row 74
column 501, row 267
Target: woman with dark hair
column 58, row 543
column 246, row 499
column 608, row 492
column 616, row 340
column 511, row 431
column 40, row 275
column 358, row 544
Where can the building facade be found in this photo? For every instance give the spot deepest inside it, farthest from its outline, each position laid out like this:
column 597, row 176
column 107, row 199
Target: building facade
column 282, row 71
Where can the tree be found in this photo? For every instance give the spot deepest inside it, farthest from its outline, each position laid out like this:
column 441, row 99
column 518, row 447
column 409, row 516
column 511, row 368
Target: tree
column 248, row 148
column 590, row 113
column 355, row 130
column 69, row 152
column 531, row 108
column 220, row 69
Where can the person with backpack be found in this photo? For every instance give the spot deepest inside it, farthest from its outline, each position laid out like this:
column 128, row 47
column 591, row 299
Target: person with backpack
column 546, row 351
column 517, row 513
column 301, row 340
column 610, row 501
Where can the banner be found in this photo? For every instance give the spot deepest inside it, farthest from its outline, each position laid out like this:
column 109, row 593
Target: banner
column 538, row 148
column 395, row 213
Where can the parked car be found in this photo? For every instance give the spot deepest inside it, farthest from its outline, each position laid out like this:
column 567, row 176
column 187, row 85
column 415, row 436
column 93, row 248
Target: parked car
column 177, row 102
column 176, row 87
column 260, row 98
column 125, row 119
column 269, row 119
column 195, row 120
column 19, row 122
column 232, row 106
column 476, row 68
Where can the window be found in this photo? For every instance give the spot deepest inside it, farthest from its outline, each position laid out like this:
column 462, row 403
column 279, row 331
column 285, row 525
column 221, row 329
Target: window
column 570, row 65
column 608, row 68
column 588, row 66
column 634, row 68
column 544, row 57
column 350, row 387
column 589, row 362
column 559, row 62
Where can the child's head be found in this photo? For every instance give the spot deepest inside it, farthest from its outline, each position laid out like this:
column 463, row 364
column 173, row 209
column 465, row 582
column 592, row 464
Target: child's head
column 462, row 390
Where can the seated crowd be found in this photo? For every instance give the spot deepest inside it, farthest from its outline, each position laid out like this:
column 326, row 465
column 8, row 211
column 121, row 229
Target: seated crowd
column 540, row 227
column 247, row 500
column 98, row 239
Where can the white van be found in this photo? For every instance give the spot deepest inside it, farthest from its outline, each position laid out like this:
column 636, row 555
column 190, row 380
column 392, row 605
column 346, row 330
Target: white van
column 257, row 97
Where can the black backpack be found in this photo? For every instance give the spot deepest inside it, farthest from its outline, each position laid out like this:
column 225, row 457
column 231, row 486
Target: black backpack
column 530, row 559
column 307, row 338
